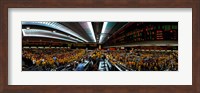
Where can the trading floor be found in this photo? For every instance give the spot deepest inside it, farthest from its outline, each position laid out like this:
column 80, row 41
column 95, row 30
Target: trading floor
column 96, row 60
column 99, row 46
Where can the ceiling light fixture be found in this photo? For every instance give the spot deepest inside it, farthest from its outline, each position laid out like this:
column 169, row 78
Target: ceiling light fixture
column 91, row 30
column 46, row 33
column 87, row 26
column 104, row 27
column 57, row 26
column 27, row 28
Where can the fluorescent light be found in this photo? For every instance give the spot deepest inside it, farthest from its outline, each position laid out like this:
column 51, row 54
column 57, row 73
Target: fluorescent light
column 27, row 28
column 49, row 34
column 57, row 26
column 87, row 26
column 102, row 37
column 91, row 30
column 104, row 27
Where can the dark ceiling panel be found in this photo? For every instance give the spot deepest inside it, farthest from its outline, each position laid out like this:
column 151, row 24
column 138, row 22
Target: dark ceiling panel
column 117, row 27
column 97, row 26
column 76, row 27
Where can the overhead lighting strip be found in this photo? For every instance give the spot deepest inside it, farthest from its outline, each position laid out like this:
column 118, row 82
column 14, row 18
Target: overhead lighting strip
column 87, row 26
column 46, row 33
column 104, row 27
column 57, row 26
column 91, row 30
column 107, row 26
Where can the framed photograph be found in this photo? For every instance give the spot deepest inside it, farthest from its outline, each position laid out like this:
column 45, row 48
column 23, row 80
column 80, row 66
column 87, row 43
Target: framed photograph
column 99, row 46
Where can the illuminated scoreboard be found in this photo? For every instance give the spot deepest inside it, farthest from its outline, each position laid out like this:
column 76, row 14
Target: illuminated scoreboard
column 159, row 35
column 147, row 31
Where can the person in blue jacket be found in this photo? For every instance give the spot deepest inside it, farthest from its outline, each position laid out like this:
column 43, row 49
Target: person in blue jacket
column 80, row 66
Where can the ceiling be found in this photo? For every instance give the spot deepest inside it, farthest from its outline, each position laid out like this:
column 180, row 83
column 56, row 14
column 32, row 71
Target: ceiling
column 75, row 32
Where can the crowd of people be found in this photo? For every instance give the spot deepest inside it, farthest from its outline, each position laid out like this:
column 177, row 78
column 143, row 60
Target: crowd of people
column 145, row 60
column 49, row 59
column 83, row 60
